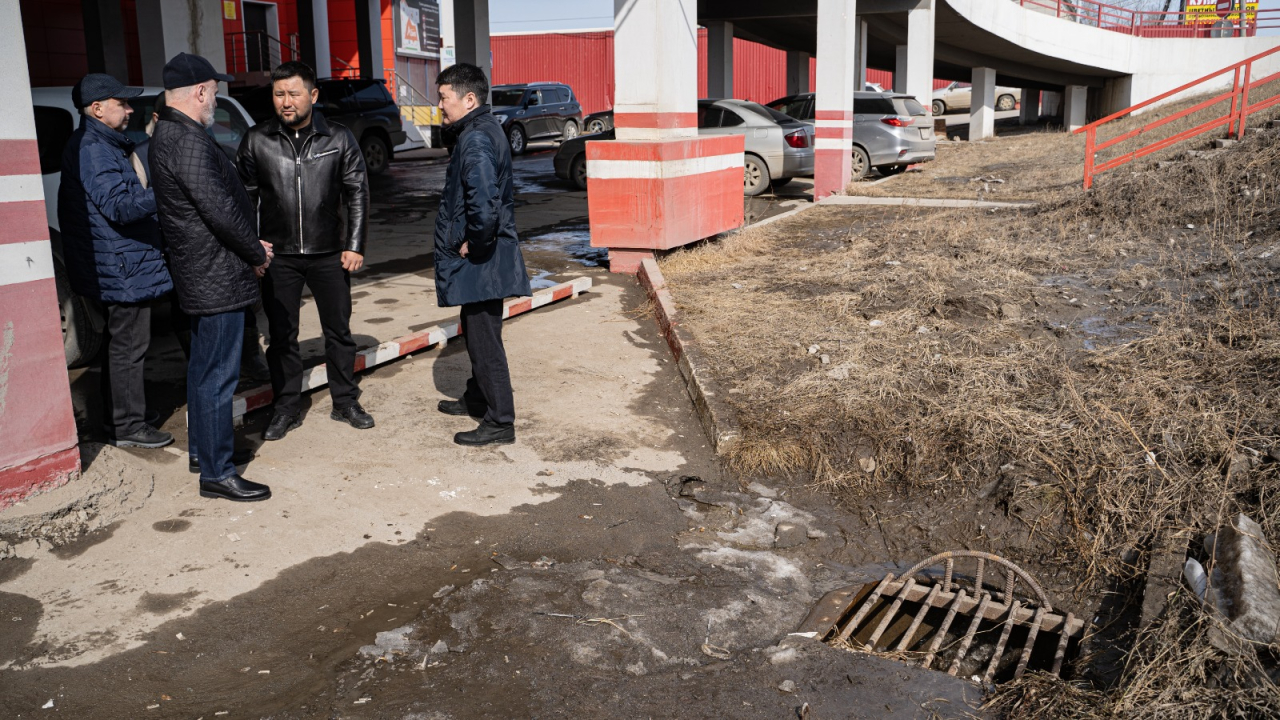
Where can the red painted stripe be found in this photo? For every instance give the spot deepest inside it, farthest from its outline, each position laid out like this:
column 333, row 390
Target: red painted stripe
column 662, row 213
column 523, row 305
column 832, row 171
column 43, row 473
column 658, row 121
column 834, row 115
column 833, row 132
column 665, row 149
column 19, row 157
column 23, row 221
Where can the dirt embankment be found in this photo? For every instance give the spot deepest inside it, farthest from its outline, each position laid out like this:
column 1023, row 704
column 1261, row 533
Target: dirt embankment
column 1100, row 370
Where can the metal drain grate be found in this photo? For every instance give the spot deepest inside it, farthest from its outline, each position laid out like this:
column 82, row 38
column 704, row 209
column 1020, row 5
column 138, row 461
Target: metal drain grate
column 913, row 617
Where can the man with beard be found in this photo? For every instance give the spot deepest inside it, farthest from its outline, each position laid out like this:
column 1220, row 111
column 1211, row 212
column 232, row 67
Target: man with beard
column 215, row 257
column 307, row 179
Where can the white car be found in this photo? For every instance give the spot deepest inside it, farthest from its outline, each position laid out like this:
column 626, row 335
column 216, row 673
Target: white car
column 958, row 96
column 56, row 119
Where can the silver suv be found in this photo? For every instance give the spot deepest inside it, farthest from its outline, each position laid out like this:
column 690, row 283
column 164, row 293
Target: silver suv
column 890, row 131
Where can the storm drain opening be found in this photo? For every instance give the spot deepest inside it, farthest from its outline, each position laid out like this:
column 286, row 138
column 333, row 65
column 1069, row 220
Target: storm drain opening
column 987, row 633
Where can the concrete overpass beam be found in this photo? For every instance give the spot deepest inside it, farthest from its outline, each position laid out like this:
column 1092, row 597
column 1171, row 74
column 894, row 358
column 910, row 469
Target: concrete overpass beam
column 1030, row 113
column 837, row 73
column 797, row 72
column 719, row 59
column 982, row 104
column 659, row 185
column 471, row 34
column 168, row 28
column 1075, row 108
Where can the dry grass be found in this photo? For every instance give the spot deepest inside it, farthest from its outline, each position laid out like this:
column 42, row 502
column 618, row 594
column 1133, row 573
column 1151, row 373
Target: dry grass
column 1111, row 359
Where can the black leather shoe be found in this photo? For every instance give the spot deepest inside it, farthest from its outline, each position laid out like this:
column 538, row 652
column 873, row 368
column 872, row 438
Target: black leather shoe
column 280, row 426
column 239, row 457
column 487, row 434
column 147, row 437
column 460, row 407
column 234, row 488
column 353, row 415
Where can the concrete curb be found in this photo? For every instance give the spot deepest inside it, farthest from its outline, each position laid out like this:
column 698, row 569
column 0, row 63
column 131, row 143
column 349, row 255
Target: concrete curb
column 801, row 207
column 719, row 421
column 920, row 202
column 434, row 336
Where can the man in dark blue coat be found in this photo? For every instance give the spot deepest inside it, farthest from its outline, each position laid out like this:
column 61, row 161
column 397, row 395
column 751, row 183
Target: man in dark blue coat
column 111, row 243
column 477, row 258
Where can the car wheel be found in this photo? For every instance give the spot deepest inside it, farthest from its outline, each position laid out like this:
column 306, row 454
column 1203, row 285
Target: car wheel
column 939, row 107
column 80, row 339
column 570, row 131
column 888, row 170
column 1006, row 102
column 377, row 156
column 861, row 164
column 578, row 171
column 595, row 126
column 755, row 176
column 516, row 137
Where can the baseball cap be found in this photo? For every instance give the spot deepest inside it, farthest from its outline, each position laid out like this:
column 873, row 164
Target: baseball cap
column 99, row 86
column 185, row 70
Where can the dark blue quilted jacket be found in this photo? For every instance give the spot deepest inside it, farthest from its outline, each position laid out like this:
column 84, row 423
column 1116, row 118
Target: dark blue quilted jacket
column 110, row 234
column 477, row 207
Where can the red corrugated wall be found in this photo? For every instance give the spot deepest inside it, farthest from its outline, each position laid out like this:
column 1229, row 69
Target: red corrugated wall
column 584, row 61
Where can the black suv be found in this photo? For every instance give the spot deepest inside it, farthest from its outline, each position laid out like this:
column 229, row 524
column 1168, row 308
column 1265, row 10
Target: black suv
column 363, row 106
column 536, row 111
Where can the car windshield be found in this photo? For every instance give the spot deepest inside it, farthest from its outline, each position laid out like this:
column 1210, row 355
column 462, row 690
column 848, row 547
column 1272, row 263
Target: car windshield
column 509, row 97
column 767, row 113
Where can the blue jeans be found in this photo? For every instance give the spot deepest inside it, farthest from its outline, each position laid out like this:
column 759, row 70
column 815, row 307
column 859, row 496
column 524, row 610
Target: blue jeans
column 212, row 374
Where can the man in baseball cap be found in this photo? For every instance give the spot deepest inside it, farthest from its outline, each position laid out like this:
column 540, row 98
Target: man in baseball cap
column 185, row 70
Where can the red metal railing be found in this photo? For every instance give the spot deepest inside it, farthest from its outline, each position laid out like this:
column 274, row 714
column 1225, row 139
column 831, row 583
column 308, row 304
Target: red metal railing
column 258, row 51
column 1234, row 120
column 1157, row 24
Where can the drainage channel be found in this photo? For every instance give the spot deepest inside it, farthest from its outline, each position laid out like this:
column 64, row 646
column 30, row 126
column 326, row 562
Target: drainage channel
column 988, row 634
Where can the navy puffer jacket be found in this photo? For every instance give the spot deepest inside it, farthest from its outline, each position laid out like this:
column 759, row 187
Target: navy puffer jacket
column 110, row 234
column 478, row 207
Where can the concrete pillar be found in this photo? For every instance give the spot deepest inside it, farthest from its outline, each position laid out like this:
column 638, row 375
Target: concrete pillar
column 861, row 81
column 38, row 449
column 720, row 59
column 166, row 28
column 1051, row 103
column 659, row 185
column 901, row 59
column 471, row 34
column 1030, row 112
column 1075, row 108
column 369, row 38
column 833, row 117
column 982, row 104
column 313, row 36
column 104, row 38
column 919, row 70
column 797, row 72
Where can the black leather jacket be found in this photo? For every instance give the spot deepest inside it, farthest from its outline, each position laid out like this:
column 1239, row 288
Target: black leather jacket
column 206, row 218
column 309, row 203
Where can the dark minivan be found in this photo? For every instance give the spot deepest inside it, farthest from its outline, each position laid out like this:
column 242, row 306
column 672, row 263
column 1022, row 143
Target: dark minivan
column 536, row 111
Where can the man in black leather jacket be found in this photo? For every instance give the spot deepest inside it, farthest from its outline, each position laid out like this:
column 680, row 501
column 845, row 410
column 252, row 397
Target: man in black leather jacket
column 214, row 254
column 307, row 179
column 478, row 259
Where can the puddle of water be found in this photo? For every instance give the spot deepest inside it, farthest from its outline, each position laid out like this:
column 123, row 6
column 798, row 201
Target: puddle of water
column 542, row 280
column 574, row 241
column 1101, row 332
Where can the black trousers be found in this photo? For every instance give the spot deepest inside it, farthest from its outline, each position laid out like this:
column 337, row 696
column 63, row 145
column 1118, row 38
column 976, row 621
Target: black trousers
column 282, row 299
column 490, row 381
column 128, row 337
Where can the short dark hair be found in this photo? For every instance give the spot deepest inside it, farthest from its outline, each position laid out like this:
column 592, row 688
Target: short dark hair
column 295, row 68
column 465, row 78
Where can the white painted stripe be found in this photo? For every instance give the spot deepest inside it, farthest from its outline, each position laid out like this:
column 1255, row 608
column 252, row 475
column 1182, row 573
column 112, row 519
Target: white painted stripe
column 25, row 262
column 239, row 406
column 316, row 377
column 21, row 188
column 834, row 123
column 833, row 144
column 662, row 169
column 386, row 352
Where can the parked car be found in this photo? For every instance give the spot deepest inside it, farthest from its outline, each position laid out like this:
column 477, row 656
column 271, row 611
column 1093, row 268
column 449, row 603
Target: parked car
column 536, row 111
column 777, row 148
column 959, row 96
column 363, row 106
column 56, row 119
column 890, row 131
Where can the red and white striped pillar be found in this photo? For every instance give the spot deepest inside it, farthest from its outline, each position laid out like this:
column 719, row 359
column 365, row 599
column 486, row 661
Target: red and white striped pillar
column 38, row 447
column 659, row 185
column 833, row 104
